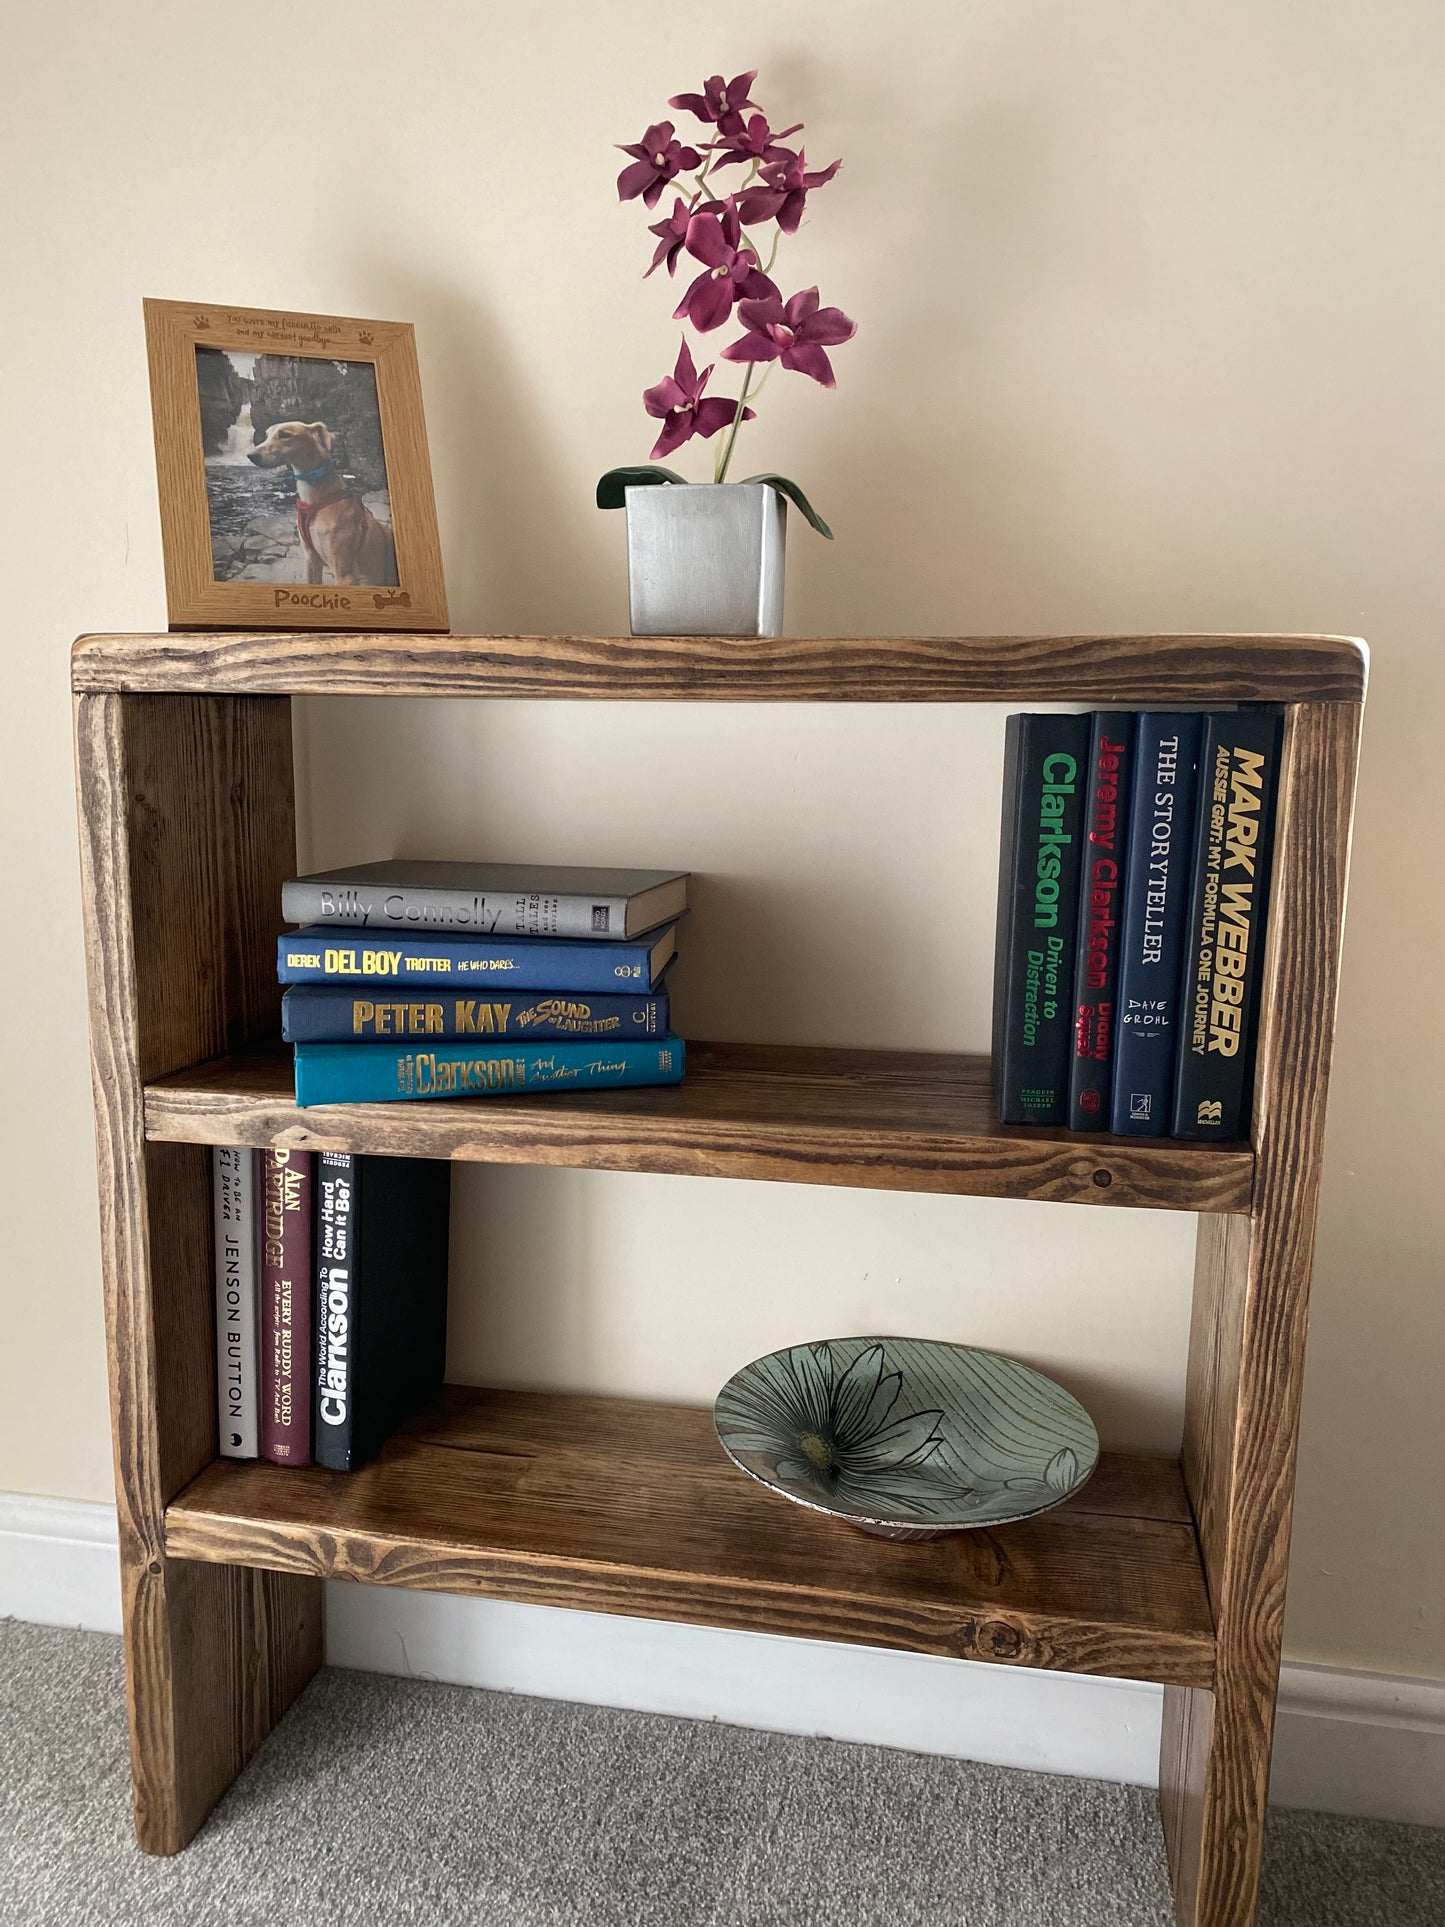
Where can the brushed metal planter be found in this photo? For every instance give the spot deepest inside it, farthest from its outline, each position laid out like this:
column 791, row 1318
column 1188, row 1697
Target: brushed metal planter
column 706, row 559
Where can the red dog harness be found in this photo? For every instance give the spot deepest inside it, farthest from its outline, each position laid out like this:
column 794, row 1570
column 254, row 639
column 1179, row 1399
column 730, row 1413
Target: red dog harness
column 305, row 515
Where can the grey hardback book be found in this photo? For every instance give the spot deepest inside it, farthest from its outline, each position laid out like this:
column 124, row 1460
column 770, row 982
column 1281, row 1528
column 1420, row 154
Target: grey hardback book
column 238, row 1358
column 492, row 899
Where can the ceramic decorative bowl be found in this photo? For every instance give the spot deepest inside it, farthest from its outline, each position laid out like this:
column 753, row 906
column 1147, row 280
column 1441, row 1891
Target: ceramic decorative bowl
column 907, row 1438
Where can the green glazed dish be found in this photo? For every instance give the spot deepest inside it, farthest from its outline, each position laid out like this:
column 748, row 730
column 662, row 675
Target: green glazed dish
column 907, row 1438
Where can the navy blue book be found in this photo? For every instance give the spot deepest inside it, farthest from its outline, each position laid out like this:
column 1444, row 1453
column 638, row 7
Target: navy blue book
column 381, row 1299
column 323, row 954
column 392, row 1073
column 1045, row 775
column 1224, row 931
column 1151, row 956
column 1101, row 908
column 341, row 1014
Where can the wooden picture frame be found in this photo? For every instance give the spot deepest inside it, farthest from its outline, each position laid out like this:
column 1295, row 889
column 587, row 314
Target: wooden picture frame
column 349, row 541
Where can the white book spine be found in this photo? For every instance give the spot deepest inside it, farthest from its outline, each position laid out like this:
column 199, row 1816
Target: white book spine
column 238, row 1359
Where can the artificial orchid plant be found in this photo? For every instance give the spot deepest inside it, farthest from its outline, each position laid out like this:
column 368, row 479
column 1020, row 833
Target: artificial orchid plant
column 724, row 233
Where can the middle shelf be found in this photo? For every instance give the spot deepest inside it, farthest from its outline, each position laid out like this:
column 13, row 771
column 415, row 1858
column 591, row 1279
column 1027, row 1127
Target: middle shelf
column 875, row 1120
column 613, row 1505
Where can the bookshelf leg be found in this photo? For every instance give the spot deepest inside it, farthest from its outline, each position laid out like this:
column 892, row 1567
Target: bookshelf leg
column 214, row 1656
column 1239, row 1469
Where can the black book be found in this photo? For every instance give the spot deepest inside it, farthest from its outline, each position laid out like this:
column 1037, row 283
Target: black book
column 1101, row 916
column 381, row 1298
column 1045, row 763
column 1224, row 930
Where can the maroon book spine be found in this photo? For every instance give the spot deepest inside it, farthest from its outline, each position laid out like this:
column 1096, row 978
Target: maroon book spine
column 285, row 1428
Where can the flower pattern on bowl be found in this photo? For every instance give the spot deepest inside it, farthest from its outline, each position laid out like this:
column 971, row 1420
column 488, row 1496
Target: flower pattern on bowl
column 908, row 1438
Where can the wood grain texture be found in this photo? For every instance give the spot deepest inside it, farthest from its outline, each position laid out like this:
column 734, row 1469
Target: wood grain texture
column 875, row 1120
column 185, row 835
column 1247, row 1345
column 194, row 598
column 1127, row 671
column 618, row 1506
column 1184, row 1742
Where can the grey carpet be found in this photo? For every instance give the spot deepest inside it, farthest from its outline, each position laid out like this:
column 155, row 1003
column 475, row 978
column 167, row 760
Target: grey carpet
column 382, row 1801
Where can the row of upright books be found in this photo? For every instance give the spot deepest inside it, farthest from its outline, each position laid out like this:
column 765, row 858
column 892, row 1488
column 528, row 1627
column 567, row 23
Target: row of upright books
column 1133, row 889
column 331, row 1300
column 421, row 979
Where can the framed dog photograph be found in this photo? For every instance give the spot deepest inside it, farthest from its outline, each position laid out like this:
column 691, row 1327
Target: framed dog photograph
column 291, row 455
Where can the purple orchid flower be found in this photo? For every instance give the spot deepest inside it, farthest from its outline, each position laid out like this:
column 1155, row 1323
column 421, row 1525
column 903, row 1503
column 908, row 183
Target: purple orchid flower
column 756, row 142
column 783, row 191
column 720, row 102
column 730, row 269
column 658, row 158
column 678, row 403
column 795, row 332
column 672, row 234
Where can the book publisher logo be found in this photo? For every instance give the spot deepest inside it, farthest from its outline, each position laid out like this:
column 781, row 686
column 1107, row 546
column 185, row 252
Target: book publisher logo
column 599, row 916
column 1210, row 1113
column 1141, row 1106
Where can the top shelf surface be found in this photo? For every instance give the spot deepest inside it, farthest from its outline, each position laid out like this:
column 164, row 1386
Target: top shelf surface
column 1131, row 671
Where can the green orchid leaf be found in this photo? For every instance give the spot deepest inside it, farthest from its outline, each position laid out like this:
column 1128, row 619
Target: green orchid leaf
column 796, row 496
column 611, row 490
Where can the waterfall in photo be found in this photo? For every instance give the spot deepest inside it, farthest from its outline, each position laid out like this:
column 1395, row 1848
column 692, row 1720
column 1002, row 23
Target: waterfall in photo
column 252, row 512
column 240, row 440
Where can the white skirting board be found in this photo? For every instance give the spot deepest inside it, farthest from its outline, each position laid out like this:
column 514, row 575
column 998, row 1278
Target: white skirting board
column 59, row 1563
column 1346, row 1741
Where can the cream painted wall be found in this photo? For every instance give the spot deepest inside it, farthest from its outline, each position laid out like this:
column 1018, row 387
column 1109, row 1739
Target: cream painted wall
column 1151, row 327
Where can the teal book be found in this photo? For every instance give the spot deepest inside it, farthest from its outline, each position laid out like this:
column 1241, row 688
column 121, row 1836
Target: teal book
column 392, row 1073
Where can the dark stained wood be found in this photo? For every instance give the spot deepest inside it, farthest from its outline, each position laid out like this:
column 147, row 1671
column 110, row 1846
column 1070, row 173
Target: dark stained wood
column 1247, row 1346
column 618, row 1506
column 1184, row 1742
column 186, row 834
column 1137, row 671
column 877, row 1120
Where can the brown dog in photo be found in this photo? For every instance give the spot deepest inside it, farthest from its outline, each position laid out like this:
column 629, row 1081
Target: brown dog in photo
column 338, row 532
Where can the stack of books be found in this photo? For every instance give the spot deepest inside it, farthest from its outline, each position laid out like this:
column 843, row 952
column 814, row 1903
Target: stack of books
column 331, row 1300
column 430, row 980
column 1133, row 889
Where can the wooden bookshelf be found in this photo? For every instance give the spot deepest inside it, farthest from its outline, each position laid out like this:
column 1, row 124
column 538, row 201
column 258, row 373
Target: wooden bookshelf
column 1161, row 1571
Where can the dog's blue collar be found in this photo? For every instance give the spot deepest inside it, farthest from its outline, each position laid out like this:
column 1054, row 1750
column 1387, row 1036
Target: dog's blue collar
column 311, row 475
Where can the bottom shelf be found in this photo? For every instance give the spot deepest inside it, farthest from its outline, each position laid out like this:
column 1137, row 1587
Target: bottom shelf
column 612, row 1505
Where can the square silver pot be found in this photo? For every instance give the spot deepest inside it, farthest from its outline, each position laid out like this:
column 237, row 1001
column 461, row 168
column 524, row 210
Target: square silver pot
column 706, row 559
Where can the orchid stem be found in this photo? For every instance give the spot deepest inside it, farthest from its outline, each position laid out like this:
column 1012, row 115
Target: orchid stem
column 720, row 472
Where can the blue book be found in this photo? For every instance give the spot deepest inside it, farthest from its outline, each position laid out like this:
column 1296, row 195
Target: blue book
column 390, row 1073
column 342, row 1014
column 1156, row 896
column 323, row 954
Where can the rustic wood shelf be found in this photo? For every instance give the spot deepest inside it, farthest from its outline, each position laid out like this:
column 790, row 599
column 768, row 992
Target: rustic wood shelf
column 1162, row 1572
column 876, row 1120
column 616, row 1506
column 1128, row 671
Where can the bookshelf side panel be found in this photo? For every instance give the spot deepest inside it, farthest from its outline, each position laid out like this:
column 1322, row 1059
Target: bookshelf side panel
column 187, row 832
column 1246, row 1359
